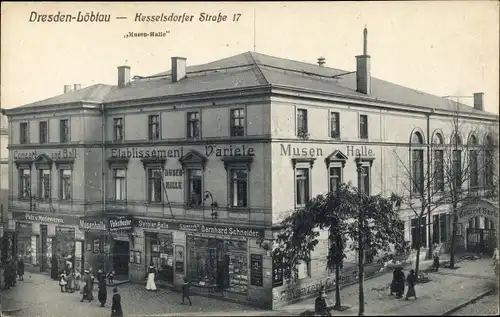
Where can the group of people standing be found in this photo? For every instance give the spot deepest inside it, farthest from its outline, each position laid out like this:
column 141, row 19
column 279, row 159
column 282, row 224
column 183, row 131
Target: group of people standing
column 14, row 268
column 398, row 283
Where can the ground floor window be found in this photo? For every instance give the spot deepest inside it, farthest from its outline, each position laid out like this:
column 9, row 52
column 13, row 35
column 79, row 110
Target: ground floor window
column 63, row 245
column 160, row 252
column 217, row 262
column 414, row 233
column 23, row 244
column 439, row 228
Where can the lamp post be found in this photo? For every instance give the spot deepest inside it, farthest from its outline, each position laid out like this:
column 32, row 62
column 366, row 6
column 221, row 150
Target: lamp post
column 361, row 273
column 208, row 195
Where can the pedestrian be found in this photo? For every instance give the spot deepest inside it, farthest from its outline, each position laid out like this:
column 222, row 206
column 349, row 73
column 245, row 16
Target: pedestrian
column 70, row 278
column 111, row 276
column 86, row 292
column 62, row 281
column 116, row 306
column 76, row 280
column 411, row 280
column 150, row 285
column 7, row 275
column 20, row 269
column 320, row 305
column 54, row 273
column 185, row 291
column 90, row 283
column 13, row 273
column 394, row 283
column 102, row 295
column 436, row 259
column 400, row 282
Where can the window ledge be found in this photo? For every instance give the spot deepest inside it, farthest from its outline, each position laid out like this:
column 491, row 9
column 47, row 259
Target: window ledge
column 238, row 209
column 154, row 204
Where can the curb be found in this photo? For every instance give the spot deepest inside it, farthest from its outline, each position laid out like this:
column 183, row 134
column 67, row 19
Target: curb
column 474, row 299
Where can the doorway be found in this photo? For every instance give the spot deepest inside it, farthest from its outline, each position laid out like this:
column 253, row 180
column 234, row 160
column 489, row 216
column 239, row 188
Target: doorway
column 121, row 257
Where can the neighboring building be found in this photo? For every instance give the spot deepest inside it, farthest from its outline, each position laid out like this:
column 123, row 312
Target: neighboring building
column 4, row 184
column 190, row 168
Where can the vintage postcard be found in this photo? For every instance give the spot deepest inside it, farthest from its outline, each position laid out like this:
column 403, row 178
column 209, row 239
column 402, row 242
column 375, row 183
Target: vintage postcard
column 249, row 158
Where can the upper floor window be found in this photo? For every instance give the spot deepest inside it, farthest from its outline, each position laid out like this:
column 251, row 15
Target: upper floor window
column 237, row 122
column 302, row 128
column 302, row 188
column 438, row 156
column 24, row 133
column 417, row 164
column 118, row 129
column 120, row 186
column 334, row 125
column 65, row 188
column 43, row 132
column 456, row 170
column 24, row 183
column 363, row 126
column 154, row 127
column 44, row 184
column 489, row 161
column 364, row 174
column 155, row 186
column 473, row 162
column 238, row 191
column 193, row 124
column 64, row 131
column 194, row 186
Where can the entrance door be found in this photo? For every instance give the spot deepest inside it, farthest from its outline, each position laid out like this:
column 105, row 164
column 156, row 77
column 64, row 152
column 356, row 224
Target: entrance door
column 481, row 240
column 44, row 261
column 121, row 258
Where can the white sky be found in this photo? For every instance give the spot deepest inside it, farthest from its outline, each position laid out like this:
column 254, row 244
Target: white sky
column 444, row 48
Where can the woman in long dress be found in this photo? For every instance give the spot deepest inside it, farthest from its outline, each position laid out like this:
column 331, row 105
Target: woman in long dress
column 116, row 305
column 102, row 295
column 150, row 285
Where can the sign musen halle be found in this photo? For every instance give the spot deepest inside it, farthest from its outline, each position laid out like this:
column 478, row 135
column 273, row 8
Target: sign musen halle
column 120, row 223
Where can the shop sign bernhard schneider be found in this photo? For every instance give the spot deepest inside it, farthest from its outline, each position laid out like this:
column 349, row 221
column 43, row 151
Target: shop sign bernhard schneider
column 122, row 223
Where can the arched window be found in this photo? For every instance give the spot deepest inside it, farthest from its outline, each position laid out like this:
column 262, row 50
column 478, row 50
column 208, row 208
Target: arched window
column 489, row 161
column 456, row 164
column 417, row 155
column 473, row 162
column 438, row 155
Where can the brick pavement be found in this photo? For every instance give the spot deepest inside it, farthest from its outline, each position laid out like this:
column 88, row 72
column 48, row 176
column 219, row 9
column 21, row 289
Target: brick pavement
column 38, row 295
column 447, row 289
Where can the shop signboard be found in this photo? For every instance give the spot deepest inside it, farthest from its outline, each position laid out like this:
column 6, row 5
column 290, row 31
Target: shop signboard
column 153, row 224
column 256, row 269
column 233, row 231
column 93, row 224
column 120, row 223
column 45, row 218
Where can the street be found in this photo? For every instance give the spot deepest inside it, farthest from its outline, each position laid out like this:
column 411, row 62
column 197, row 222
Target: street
column 38, row 295
column 486, row 306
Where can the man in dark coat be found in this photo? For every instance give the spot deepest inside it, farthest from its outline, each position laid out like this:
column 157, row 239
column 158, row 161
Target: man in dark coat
column 12, row 273
column 54, row 272
column 88, row 287
column 7, row 275
column 116, row 306
column 102, row 295
column 20, row 269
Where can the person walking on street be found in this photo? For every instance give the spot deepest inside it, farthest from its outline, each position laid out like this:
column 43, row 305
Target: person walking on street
column 102, row 295
column 70, row 278
column 185, row 291
column 412, row 280
column 150, row 285
column 116, row 305
column 62, row 282
column 7, row 275
column 20, row 269
column 86, row 291
column 54, row 272
column 436, row 259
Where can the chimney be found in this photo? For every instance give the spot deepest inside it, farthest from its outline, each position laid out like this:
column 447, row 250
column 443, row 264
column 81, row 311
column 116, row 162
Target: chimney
column 68, row 88
column 77, row 87
column 123, row 76
column 178, row 68
column 321, row 61
column 363, row 73
column 478, row 101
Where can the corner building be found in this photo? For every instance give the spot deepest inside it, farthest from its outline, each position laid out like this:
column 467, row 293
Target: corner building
column 190, row 168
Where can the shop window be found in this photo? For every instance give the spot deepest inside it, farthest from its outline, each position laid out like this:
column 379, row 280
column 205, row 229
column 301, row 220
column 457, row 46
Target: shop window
column 238, row 122
column 120, row 185
column 24, row 183
column 303, row 270
column 222, row 263
column 154, row 186
column 64, row 131
column 65, row 188
column 44, row 184
column 162, row 255
column 153, row 127
column 194, row 188
column 24, row 133
column 118, row 129
column 193, row 125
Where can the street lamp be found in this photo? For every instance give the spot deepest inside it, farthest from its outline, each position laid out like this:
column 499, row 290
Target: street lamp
column 213, row 204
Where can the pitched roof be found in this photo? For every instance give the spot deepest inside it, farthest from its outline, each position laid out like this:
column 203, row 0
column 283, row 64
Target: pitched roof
column 252, row 69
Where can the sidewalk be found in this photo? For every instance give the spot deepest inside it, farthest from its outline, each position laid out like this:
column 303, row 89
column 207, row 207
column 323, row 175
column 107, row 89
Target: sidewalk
column 447, row 289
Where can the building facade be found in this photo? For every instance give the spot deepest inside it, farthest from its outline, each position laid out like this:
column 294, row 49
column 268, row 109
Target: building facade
column 5, row 244
column 191, row 170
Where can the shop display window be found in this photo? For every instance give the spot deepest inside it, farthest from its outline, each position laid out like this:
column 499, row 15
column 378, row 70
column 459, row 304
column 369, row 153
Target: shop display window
column 162, row 256
column 219, row 263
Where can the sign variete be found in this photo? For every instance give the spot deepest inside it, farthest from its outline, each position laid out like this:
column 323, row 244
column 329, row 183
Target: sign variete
column 121, row 223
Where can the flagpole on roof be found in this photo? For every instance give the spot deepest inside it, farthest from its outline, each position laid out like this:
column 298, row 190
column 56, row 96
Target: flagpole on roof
column 254, row 28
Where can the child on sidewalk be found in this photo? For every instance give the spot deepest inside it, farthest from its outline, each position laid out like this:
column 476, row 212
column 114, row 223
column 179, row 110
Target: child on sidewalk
column 62, row 281
column 185, row 291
